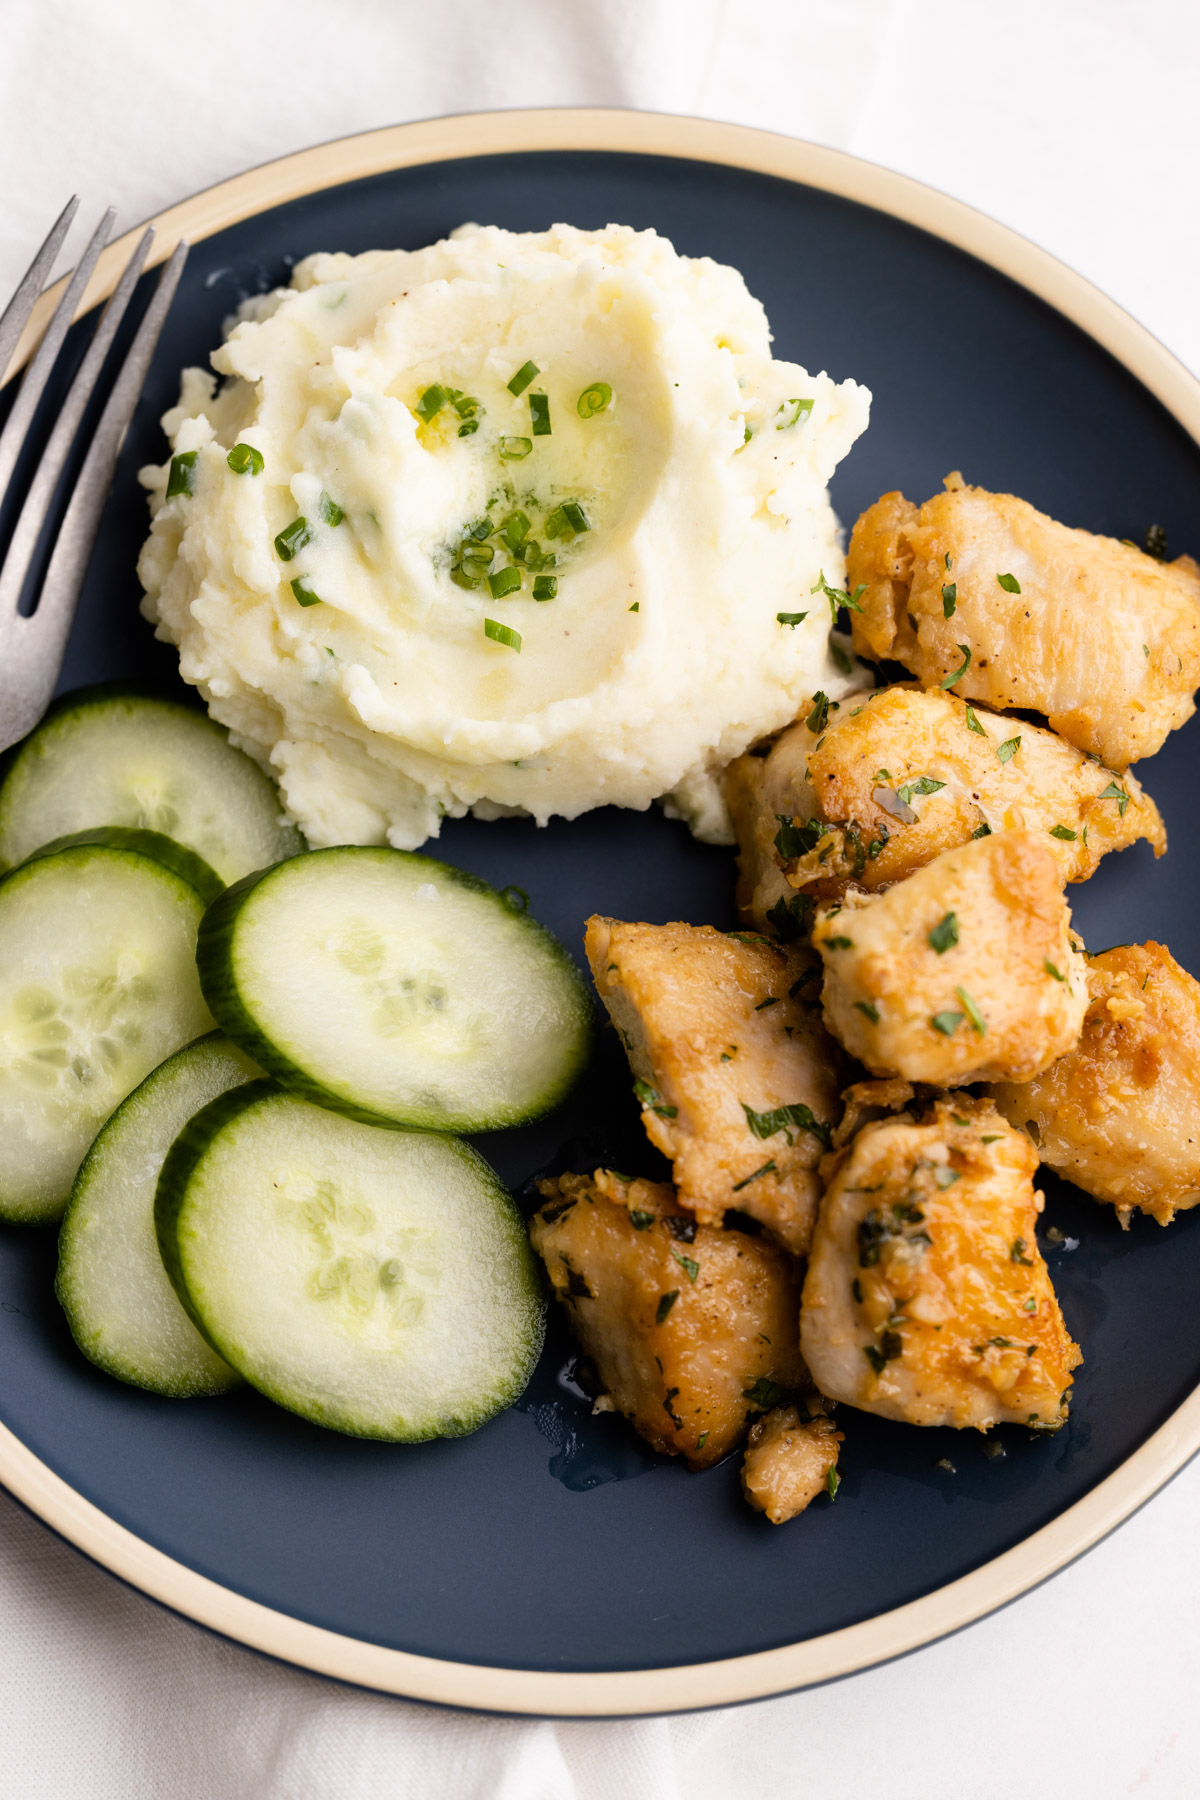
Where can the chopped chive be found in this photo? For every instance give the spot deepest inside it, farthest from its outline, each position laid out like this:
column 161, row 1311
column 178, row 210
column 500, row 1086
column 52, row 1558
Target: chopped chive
column 973, row 723
column 515, row 898
column 504, row 581
column 839, row 943
column 328, row 511
column 501, row 634
column 576, row 517
column 466, row 405
column 593, row 400
column 1114, row 791
column 1155, row 544
column 524, row 375
column 946, row 1022
column 292, row 538
column 791, row 618
column 1008, row 749
column 868, row 1010
column 539, row 413
column 972, row 1011
column 244, row 459
column 431, row 402
column 944, row 934
column 833, row 1482
column 515, row 529
column 304, row 593
column 1009, row 583
column 468, row 427
column 1051, row 970
column 945, row 1177
column 953, row 679
column 545, row 587
column 791, row 412
column 515, row 449
column 949, row 599
column 666, row 1302
column 181, row 477
column 481, row 528
column 1064, row 832
column 477, row 559
column 771, row 1000
column 1017, row 1253
column 768, row 1168
column 636, row 607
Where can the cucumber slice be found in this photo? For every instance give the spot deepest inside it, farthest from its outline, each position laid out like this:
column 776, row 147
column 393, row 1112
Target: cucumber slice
column 193, row 868
column 123, row 1312
column 108, row 757
column 396, row 989
column 97, row 985
column 379, row 1282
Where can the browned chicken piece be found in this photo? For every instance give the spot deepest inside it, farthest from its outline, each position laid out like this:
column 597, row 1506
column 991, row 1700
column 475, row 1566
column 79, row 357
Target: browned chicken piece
column 964, row 972
column 1102, row 639
column 1120, row 1114
column 762, row 793
column 692, row 1330
column 927, row 1298
column 736, row 1074
column 903, row 775
column 789, row 1460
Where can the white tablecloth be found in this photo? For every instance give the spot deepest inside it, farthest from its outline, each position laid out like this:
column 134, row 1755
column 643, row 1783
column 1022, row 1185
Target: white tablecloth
column 1072, row 120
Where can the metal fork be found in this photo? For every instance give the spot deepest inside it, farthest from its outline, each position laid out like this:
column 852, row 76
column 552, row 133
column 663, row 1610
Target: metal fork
column 32, row 646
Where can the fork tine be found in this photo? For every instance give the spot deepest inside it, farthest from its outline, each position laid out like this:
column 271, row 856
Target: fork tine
column 16, row 313
column 40, row 640
column 38, row 372
column 41, row 491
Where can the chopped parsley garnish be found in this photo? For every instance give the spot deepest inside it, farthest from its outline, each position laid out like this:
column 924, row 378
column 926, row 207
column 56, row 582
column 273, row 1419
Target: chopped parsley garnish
column 973, row 723
column 802, row 981
column 303, row 593
column 925, row 785
column 328, row 511
column 688, row 1264
column 771, row 1000
column 944, row 934
column 791, row 918
column 653, row 1101
column 1155, row 543
column 983, row 830
column 431, row 402
column 244, row 459
column 515, row 449
column 181, row 477
column 791, row 618
column 946, row 1022
column 792, row 840
column 1051, row 970
column 1064, row 832
column 682, row 1227
column 818, row 718
column 949, row 599
column 703, row 1439
column 525, row 374
column 957, row 1121
column 1114, row 791
column 945, row 1177
column 768, row 1168
column 869, row 1010
column 838, row 596
column 501, row 634
column 956, row 675
column 292, row 538
column 1008, row 749
column 539, row 414
column 833, row 1482
column 636, row 607
column 840, row 658
column 797, row 1117
column 839, row 943
column 1009, row 583
column 665, row 1303
column 767, row 1393
column 1030, row 1305
column 641, row 1221
column 791, row 412
column 992, row 1137
column 972, row 1011
column 593, row 400
column 1017, row 1253
column 545, row 587
column 504, row 581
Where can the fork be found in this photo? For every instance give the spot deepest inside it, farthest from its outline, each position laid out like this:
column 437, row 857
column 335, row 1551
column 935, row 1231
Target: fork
column 32, row 645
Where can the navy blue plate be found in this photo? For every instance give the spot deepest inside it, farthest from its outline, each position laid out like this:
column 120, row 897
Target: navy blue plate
column 551, row 1540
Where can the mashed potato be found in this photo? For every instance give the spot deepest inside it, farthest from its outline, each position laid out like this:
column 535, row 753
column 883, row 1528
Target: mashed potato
column 509, row 528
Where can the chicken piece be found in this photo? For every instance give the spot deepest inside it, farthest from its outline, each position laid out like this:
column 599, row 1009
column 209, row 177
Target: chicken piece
column 737, row 1077
column 927, row 1298
column 964, row 972
column 904, row 775
column 692, row 1330
column 762, row 793
column 789, row 1460
column 1120, row 1114
column 1098, row 636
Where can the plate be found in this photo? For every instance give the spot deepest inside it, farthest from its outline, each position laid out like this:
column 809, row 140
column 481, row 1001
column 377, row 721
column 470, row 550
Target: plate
column 549, row 1564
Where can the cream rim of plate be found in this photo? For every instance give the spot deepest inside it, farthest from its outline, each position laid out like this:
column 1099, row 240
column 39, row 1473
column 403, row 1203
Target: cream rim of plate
column 1005, row 1577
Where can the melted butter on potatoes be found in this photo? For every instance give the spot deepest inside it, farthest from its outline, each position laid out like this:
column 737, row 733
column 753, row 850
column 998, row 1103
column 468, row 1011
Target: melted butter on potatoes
column 528, row 509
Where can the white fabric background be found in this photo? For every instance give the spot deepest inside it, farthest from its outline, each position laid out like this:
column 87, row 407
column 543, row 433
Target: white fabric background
column 1075, row 122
